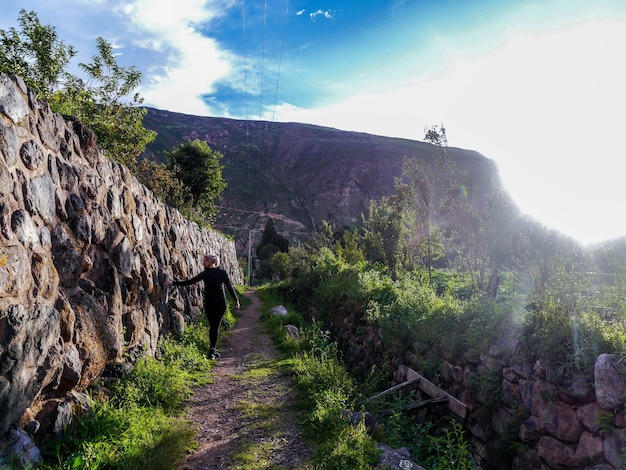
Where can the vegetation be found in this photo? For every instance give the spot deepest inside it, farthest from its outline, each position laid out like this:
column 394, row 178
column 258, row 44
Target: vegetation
column 138, row 424
column 558, row 313
column 99, row 104
column 326, row 389
column 191, row 181
column 198, row 167
column 35, row 53
column 272, row 243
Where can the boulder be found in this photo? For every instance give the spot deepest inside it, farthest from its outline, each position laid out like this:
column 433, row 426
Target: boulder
column 18, row 450
column 279, row 311
column 614, row 444
column 610, row 381
column 292, row 330
column 558, row 418
column 396, row 458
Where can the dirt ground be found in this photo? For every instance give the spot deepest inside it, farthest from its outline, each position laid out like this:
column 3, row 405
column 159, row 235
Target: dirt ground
column 246, row 408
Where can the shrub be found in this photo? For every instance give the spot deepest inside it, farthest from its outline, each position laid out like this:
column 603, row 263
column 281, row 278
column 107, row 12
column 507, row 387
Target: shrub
column 353, row 449
column 482, row 322
column 567, row 341
column 139, row 426
column 449, row 450
column 441, row 446
column 407, row 310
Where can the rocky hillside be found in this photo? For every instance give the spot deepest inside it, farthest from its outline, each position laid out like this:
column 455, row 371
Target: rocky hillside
column 303, row 174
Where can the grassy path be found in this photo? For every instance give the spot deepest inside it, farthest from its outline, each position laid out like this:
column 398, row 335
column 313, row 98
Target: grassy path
column 245, row 418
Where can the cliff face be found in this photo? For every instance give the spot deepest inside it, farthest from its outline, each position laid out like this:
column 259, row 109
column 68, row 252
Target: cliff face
column 302, row 174
column 84, row 249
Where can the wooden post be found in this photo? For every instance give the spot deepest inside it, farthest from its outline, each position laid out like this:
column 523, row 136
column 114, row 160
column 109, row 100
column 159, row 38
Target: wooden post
column 394, row 388
column 456, row 406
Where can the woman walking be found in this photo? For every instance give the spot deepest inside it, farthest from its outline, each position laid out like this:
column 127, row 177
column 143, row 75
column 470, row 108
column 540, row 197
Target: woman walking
column 215, row 280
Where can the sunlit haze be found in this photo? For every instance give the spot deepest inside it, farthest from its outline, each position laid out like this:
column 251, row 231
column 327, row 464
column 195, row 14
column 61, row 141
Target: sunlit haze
column 536, row 86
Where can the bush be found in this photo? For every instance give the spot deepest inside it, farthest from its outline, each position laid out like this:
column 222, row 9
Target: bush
column 407, row 310
column 482, row 322
column 139, row 426
column 353, row 449
column 567, row 341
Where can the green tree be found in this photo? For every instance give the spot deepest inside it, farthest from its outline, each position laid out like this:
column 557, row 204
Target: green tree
column 280, row 265
column 425, row 242
column 465, row 223
column 161, row 181
column 385, row 229
column 198, row 167
column 482, row 228
column 323, row 237
column 348, row 248
column 430, row 248
column 99, row 103
column 271, row 239
column 36, row 54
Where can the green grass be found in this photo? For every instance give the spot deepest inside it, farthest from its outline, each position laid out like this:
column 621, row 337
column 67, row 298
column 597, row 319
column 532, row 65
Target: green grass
column 139, row 424
column 264, row 413
column 325, row 388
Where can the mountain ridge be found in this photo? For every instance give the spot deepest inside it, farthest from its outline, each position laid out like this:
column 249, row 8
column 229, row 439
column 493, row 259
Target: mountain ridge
column 302, row 174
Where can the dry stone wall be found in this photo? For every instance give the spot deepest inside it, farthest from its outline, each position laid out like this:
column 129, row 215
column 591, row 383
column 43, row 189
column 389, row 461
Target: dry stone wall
column 518, row 418
column 84, row 250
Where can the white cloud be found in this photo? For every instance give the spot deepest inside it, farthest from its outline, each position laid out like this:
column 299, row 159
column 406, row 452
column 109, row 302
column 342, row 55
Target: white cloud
column 547, row 107
column 194, row 62
column 324, row 13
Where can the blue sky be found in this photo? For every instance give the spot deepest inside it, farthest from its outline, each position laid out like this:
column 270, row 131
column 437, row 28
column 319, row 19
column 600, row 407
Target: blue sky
column 535, row 85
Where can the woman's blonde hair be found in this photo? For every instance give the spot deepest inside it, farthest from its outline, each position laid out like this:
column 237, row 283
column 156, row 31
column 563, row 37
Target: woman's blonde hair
column 212, row 259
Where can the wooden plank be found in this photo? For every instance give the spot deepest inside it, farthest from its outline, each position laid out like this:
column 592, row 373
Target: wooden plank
column 456, row 406
column 395, row 388
column 426, row 403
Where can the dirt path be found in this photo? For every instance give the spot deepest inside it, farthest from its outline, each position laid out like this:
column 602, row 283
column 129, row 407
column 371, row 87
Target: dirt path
column 245, row 418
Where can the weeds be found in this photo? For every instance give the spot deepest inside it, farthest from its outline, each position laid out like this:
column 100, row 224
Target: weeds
column 326, row 388
column 139, row 426
column 449, row 450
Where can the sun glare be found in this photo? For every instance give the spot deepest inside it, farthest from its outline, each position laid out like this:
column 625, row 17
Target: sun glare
column 548, row 108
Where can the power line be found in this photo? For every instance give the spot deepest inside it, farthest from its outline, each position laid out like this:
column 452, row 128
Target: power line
column 262, row 80
column 245, row 84
column 280, row 57
column 262, row 62
column 245, row 59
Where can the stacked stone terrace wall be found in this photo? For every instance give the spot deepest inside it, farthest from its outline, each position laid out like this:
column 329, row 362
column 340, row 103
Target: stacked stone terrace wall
column 518, row 417
column 84, row 249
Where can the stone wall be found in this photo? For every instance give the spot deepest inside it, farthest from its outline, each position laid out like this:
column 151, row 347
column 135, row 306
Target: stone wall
column 518, row 418
column 84, row 250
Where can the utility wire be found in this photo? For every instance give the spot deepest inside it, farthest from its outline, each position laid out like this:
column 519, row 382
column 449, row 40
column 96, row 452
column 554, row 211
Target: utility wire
column 245, row 85
column 262, row 79
column 262, row 62
column 280, row 57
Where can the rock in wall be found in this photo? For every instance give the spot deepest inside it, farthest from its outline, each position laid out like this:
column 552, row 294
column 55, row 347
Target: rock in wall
column 84, row 249
column 519, row 417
